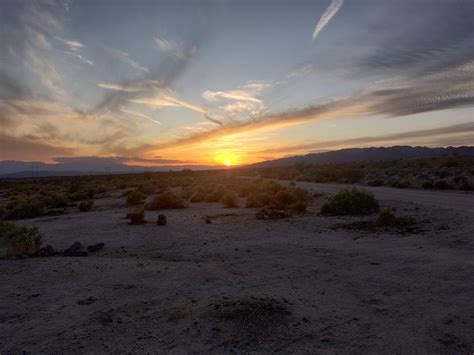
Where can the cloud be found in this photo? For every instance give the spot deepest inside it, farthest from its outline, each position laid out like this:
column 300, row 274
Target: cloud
column 18, row 148
column 462, row 128
column 451, row 88
column 72, row 45
column 327, row 16
column 120, row 87
column 212, row 96
column 80, row 57
column 139, row 114
column 127, row 59
column 174, row 49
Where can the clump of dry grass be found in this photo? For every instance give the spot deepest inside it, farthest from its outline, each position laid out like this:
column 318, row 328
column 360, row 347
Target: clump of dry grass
column 18, row 241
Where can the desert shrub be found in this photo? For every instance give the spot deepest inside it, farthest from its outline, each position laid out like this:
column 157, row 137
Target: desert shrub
column 135, row 198
column 462, row 183
column 85, row 206
column 427, row 185
column 166, row 200
column 57, row 200
column 350, row 201
column 147, row 188
column 442, row 185
column 386, row 218
column 18, row 241
column 198, row 196
column 136, row 217
column 375, row 182
column 300, row 206
column 253, row 202
column 229, row 200
column 401, row 183
column 286, row 197
column 24, row 208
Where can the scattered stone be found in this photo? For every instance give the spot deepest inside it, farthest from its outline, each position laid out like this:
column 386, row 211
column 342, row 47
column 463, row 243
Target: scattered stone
column 76, row 246
column 86, row 301
column 161, row 220
column 94, row 247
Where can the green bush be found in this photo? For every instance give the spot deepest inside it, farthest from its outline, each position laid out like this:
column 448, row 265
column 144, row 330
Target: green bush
column 18, row 241
column 351, row 201
column 135, row 198
column 85, row 206
column 166, row 200
column 229, row 200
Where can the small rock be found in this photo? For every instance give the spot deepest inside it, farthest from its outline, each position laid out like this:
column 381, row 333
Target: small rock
column 76, row 246
column 161, row 220
column 94, row 247
column 86, row 301
column 208, row 220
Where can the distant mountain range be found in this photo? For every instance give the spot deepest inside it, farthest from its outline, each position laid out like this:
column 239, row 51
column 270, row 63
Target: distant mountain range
column 365, row 154
column 21, row 169
column 10, row 169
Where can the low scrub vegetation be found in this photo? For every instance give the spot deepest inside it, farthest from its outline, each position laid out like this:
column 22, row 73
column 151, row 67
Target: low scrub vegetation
column 135, row 198
column 455, row 172
column 18, row 241
column 350, row 201
column 136, row 217
column 86, row 206
column 166, row 200
column 229, row 200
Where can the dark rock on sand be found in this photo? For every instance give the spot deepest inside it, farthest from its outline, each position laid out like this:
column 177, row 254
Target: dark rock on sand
column 94, row 247
column 161, row 220
column 86, row 301
column 76, row 246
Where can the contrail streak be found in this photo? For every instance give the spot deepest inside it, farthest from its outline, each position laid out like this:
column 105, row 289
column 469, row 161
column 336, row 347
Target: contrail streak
column 327, row 16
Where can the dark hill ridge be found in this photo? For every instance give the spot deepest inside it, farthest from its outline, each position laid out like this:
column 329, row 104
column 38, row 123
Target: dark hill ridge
column 364, row 154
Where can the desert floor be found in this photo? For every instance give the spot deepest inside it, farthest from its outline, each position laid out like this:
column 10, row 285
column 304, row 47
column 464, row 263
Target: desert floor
column 244, row 285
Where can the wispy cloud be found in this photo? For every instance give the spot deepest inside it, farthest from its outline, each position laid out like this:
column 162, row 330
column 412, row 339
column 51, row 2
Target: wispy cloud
column 327, row 16
column 174, row 49
column 119, row 87
column 127, row 59
column 139, row 114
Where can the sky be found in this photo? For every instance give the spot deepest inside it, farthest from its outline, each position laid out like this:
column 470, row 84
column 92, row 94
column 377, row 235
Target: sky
column 229, row 82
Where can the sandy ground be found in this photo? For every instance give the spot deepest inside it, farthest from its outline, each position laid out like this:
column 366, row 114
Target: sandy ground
column 295, row 285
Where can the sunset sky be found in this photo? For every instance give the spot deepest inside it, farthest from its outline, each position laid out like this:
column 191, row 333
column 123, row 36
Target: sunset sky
column 231, row 82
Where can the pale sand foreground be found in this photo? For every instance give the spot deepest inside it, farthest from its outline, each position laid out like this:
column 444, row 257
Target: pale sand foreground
column 246, row 285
